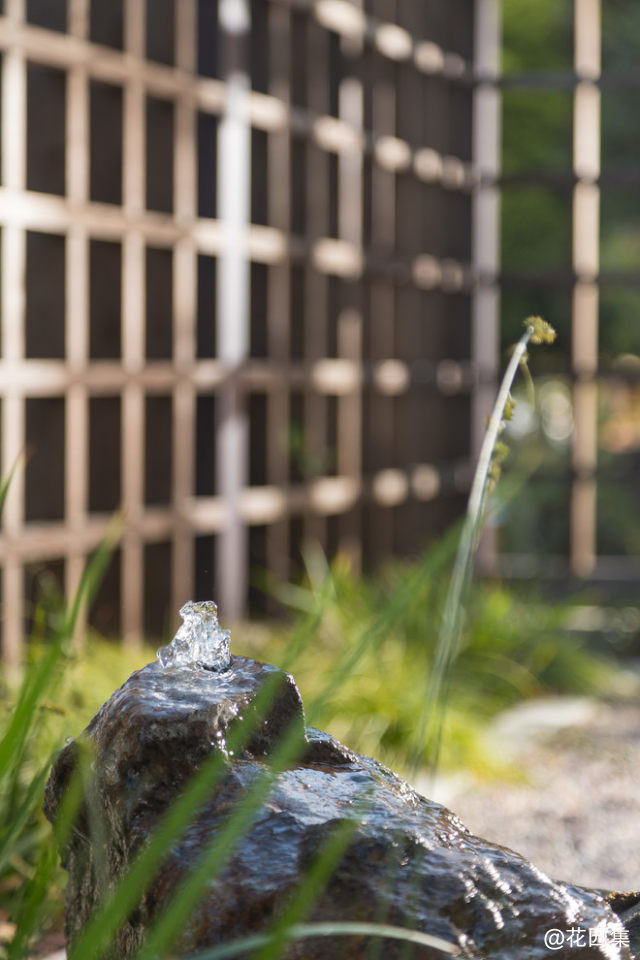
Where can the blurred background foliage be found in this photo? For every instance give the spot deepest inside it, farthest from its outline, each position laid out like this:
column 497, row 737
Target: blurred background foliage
column 536, row 221
column 536, row 259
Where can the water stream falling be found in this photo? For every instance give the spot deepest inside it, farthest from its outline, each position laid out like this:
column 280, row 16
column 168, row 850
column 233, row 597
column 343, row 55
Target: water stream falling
column 199, row 640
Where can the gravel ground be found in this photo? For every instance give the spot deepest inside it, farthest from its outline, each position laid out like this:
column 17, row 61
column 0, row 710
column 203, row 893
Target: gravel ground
column 576, row 813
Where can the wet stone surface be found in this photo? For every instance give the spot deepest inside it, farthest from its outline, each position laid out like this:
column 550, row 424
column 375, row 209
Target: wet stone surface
column 409, row 861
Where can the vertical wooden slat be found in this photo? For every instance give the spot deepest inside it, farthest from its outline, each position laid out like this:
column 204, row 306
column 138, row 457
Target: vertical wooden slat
column 586, row 230
column 382, row 302
column 184, row 313
column 410, row 217
column 15, row 9
column 318, row 201
column 349, row 332
column 76, row 425
column 77, row 313
column 13, row 331
column 133, row 437
column 279, row 287
column 485, row 252
column 349, row 440
column 233, row 201
column 133, row 294
column 79, row 18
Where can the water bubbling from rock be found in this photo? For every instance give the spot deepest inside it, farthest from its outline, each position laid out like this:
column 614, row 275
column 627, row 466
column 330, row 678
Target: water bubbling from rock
column 199, row 640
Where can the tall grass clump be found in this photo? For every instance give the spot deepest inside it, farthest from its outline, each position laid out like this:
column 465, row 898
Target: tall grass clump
column 102, row 927
column 30, row 893
column 31, row 908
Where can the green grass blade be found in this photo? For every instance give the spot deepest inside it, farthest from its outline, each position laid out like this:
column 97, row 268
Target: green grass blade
column 311, row 885
column 218, row 851
column 93, row 573
column 34, row 903
column 431, row 722
column 19, row 818
column 104, row 924
column 33, row 898
column 388, row 619
column 41, row 674
column 329, row 929
column 37, row 680
column 102, row 927
column 307, row 628
column 20, row 461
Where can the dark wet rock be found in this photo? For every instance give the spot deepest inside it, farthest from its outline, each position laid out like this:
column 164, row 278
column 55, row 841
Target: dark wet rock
column 627, row 907
column 409, row 862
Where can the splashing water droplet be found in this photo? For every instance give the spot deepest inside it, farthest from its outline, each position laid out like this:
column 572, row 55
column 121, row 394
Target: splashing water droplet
column 199, row 640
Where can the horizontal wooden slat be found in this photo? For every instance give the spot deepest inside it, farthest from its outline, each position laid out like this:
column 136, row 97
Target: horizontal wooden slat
column 41, row 212
column 260, row 506
column 331, row 377
column 389, row 39
column 266, row 112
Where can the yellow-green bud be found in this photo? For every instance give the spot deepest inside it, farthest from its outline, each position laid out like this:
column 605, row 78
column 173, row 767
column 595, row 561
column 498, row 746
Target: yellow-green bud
column 509, row 407
column 541, row 331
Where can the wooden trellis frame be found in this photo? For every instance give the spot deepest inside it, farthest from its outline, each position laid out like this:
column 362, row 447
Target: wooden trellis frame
column 376, row 277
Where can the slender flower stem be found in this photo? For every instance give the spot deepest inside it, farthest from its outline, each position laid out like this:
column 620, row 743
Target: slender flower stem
column 478, row 488
column 448, row 644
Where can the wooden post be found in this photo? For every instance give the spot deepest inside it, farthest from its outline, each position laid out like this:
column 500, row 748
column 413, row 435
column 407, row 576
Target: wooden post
column 233, row 196
column 185, row 265
column 486, row 236
column 14, row 109
column 586, row 262
column 77, row 314
column 133, row 293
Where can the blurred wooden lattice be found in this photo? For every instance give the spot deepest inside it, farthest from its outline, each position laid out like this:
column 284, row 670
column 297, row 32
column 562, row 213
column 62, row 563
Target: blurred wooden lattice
column 340, row 400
